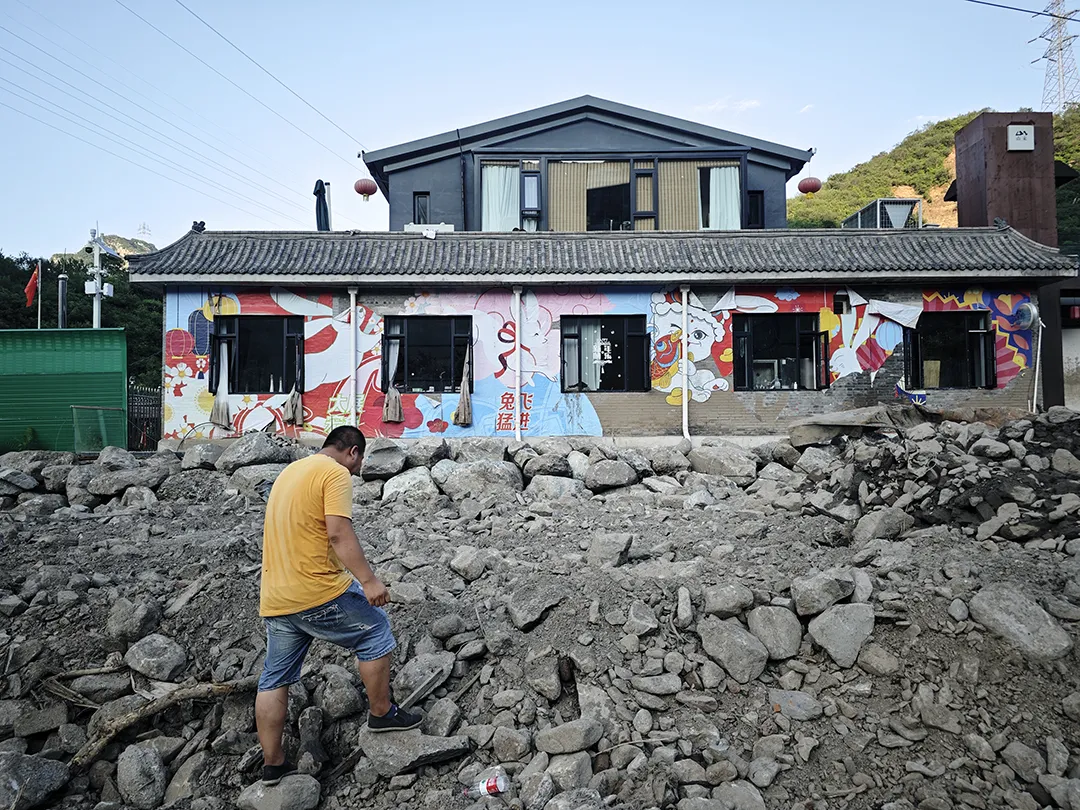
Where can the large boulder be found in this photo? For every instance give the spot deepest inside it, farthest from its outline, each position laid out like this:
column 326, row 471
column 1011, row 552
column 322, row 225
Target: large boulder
column 882, row 524
column 553, row 487
column 141, row 777
column 55, row 477
column 130, row 621
column 33, row 462
column 404, row 751
column 415, row 485
column 480, row 448
column 1007, row 611
column 202, row 456
column 254, row 448
column 117, row 458
column 383, row 459
column 15, row 482
column 27, row 781
column 842, row 630
column 257, row 476
column 113, row 483
column 298, row 791
column 725, row 460
column 426, row 453
column 195, row 486
column 157, row 657
column 75, row 487
column 569, row 738
column 478, row 479
column 778, row 629
column 667, row 461
column 547, row 464
column 816, row 592
column 730, row 645
column 605, row 475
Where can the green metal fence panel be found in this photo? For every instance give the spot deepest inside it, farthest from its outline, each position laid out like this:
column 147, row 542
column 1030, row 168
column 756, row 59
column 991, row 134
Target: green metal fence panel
column 45, row 372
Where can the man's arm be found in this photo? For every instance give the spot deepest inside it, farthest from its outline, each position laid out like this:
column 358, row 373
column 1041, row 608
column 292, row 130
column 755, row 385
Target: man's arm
column 347, row 548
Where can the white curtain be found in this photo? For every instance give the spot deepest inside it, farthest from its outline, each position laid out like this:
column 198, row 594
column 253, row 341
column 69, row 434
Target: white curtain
column 501, row 188
column 725, row 196
column 591, row 364
column 219, row 413
column 392, row 410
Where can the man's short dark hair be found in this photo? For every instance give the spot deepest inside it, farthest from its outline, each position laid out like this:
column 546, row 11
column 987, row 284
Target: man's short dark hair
column 345, row 437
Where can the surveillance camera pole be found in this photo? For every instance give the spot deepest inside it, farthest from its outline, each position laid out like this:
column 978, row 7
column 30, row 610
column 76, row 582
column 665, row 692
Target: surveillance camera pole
column 97, row 278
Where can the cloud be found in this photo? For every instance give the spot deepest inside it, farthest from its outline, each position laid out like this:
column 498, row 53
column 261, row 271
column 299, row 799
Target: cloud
column 806, row 109
column 726, row 103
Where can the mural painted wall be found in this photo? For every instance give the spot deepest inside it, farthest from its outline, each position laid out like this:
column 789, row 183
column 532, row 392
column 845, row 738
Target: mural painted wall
column 860, row 341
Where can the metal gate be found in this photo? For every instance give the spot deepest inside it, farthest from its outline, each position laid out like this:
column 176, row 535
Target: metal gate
column 144, row 417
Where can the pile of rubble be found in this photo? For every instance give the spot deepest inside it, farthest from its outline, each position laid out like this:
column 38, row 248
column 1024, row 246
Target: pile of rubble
column 883, row 620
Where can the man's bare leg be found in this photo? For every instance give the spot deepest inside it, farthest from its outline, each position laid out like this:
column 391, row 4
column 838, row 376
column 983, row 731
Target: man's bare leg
column 271, row 710
column 376, row 677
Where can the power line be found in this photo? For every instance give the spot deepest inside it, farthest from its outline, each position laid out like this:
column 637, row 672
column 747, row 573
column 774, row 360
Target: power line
column 120, row 140
column 140, row 126
column 271, row 75
column 1021, row 10
column 133, row 163
column 177, row 143
column 237, row 86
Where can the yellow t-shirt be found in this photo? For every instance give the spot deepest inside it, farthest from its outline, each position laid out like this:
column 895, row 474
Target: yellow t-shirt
column 300, row 569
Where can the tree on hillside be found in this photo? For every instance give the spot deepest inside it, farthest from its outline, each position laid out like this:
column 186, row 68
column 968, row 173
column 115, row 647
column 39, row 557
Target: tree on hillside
column 135, row 309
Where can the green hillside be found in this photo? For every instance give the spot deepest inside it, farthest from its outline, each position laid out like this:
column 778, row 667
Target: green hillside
column 922, row 164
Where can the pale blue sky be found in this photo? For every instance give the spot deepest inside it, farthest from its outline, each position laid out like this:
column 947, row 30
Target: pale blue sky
column 849, row 78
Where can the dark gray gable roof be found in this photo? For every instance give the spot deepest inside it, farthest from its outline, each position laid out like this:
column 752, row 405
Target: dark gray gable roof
column 944, row 255
column 479, row 134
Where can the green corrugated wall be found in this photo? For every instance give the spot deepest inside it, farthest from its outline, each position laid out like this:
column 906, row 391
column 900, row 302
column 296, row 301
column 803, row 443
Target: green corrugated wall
column 43, row 372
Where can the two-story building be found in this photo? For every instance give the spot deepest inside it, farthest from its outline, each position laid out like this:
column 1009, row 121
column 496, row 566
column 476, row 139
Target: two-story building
column 610, row 271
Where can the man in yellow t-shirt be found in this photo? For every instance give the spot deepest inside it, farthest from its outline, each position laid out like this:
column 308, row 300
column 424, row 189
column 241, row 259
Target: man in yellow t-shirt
column 316, row 583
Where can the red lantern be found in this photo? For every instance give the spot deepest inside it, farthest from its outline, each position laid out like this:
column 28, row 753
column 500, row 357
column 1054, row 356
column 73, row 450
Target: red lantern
column 809, row 185
column 178, row 343
column 1074, row 313
column 366, row 186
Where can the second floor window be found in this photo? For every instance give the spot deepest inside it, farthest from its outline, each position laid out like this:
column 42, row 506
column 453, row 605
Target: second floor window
column 606, row 353
column 721, row 199
column 421, row 201
column 257, row 354
column 426, row 354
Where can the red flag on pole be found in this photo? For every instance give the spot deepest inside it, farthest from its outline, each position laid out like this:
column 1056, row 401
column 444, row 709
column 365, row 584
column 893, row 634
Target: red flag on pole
column 31, row 286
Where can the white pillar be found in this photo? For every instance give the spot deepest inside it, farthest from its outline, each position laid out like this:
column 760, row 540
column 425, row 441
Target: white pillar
column 685, row 292
column 517, row 362
column 352, row 357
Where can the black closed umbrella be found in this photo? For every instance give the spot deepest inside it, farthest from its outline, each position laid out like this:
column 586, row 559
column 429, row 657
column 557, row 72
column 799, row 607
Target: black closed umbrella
column 322, row 209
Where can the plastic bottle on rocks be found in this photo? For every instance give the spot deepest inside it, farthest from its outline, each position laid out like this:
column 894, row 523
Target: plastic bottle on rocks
column 492, row 786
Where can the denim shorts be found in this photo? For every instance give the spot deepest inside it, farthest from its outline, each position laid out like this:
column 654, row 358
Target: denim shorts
column 348, row 621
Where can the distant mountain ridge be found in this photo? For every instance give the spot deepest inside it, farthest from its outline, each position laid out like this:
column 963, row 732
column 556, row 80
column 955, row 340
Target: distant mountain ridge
column 121, row 244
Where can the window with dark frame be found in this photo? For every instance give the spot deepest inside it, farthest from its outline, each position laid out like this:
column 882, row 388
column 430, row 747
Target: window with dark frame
column 951, row 350
column 755, row 210
column 421, row 201
column 426, row 354
column 783, row 352
column 607, row 208
column 605, row 353
column 530, row 200
column 265, row 353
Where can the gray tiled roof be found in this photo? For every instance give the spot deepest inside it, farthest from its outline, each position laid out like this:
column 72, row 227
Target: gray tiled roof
column 733, row 256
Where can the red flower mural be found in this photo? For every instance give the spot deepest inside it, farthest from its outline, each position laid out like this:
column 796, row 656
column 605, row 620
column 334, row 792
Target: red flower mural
column 438, row 425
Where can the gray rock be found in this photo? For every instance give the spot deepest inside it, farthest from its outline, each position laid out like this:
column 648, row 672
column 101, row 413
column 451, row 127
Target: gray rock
column 196, row 486
column 570, row 771
column 642, row 621
column 141, row 777
column 202, row 456
column 569, row 738
column 338, row 696
column 117, row 458
column 415, row 486
column 186, row 779
column 876, row 660
column 33, row 462
column 130, row 621
column 842, row 630
column 579, row 799
column 605, row 475
column 404, row 751
column 383, row 458
column 41, row 505
column 553, row 488
column 579, row 465
column 990, row 448
column 102, row 688
column 442, row 718
column 816, row 462
column 689, row 772
column 732, row 647
column 725, row 460
column 39, row 721
column 253, row 477
column 667, row 461
column 30, row 779
column 1005, row 610
column 419, row 669
column 761, row 772
column 1070, row 704
column 684, row 608
column 426, row 453
column 158, row 657
column 249, row 450
column 979, row 748
column 469, row 563
column 778, row 629
column 530, row 606
column 1065, row 463
column 727, row 599
column 1028, row 763
column 815, row 593
column 15, row 482
column 542, row 676
column 295, row 792
column 510, row 745
column 882, row 524
column 609, row 549
column 480, row 448
column 478, row 479
column 56, row 476
column 796, row 705
column 667, row 684
column 739, row 795
column 112, row 710
column 548, row 464
column 135, row 497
